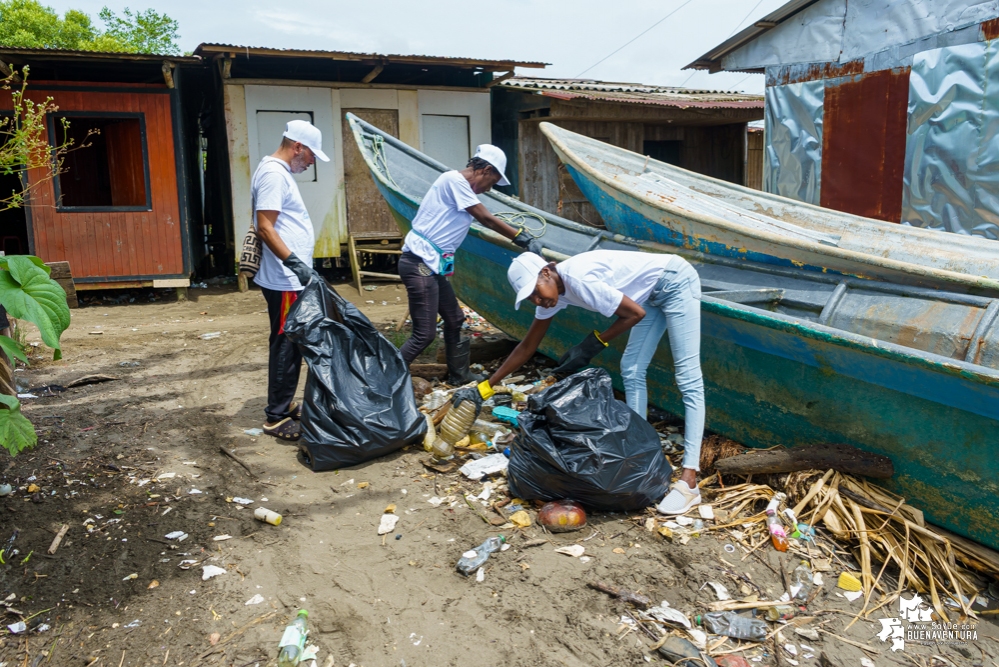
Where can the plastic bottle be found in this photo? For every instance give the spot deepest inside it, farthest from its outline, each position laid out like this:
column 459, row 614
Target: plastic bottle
column 293, row 640
column 776, row 528
column 456, row 424
column 267, row 516
column 780, row 612
column 731, row 624
column 471, row 561
column 801, row 577
column 697, row 528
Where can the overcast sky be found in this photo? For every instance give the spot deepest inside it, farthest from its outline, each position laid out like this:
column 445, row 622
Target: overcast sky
column 572, row 35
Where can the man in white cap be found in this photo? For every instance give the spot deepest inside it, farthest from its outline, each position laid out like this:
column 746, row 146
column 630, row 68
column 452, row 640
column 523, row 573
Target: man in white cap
column 285, row 229
column 427, row 260
column 649, row 293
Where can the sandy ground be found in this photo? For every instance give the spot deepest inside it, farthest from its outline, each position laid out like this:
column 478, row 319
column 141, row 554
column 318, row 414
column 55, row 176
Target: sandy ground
column 372, row 601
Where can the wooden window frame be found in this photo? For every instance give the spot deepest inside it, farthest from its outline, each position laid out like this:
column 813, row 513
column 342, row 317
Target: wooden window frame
column 53, row 140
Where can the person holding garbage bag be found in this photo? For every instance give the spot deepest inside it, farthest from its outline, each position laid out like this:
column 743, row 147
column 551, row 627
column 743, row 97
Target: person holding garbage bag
column 285, row 231
column 649, row 294
column 427, row 260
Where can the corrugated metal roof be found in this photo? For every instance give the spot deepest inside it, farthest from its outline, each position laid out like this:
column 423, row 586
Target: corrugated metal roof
column 97, row 55
column 372, row 58
column 712, row 59
column 634, row 93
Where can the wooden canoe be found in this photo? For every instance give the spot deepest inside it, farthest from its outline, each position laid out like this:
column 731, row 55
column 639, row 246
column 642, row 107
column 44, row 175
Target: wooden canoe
column 651, row 200
column 783, row 364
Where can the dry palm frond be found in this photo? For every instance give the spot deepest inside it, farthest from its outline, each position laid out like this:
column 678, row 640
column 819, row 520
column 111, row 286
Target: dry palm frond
column 880, row 530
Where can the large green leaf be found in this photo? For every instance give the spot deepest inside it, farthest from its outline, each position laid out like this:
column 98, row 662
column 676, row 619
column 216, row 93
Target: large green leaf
column 12, row 349
column 16, row 432
column 27, row 292
column 37, row 261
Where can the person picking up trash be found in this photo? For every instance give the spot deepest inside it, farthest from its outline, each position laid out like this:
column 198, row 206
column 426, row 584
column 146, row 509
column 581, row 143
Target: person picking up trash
column 427, row 261
column 649, row 294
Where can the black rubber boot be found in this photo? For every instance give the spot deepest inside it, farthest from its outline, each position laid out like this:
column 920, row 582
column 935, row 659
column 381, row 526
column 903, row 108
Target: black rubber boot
column 457, row 364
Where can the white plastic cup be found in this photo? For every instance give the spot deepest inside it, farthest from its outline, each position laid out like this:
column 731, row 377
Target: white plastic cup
column 267, row 516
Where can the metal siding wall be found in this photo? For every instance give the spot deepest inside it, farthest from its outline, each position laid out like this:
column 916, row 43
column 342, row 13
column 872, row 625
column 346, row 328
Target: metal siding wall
column 863, row 144
column 793, row 157
column 116, row 245
column 951, row 178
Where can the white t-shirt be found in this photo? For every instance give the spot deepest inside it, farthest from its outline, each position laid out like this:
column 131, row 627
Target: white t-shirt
column 274, row 189
column 442, row 218
column 600, row 279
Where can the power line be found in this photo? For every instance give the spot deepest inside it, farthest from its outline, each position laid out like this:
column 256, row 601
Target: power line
column 634, row 38
column 737, row 26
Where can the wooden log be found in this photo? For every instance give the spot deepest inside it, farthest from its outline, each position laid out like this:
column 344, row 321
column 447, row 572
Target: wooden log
column 844, row 458
column 428, row 371
column 62, row 274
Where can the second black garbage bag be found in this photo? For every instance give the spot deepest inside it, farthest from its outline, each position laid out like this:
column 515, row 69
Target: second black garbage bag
column 577, row 441
column 359, row 401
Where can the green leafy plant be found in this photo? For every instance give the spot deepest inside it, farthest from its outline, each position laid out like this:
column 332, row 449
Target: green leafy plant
column 28, row 294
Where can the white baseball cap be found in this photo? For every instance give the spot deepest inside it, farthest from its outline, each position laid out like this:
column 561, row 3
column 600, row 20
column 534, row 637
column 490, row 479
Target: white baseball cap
column 308, row 135
column 496, row 157
column 523, row 275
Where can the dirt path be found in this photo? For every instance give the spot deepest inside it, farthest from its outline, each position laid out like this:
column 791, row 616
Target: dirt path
column 124, row 463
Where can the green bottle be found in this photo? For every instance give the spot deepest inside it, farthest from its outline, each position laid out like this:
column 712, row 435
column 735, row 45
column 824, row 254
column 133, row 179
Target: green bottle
column 292, row 643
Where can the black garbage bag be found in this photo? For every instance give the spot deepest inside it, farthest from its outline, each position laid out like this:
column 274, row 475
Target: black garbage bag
column 577, row 441
column 359, row 401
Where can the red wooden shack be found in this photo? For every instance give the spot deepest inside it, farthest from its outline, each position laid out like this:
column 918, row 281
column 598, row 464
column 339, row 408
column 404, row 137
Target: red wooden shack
column 118, row 211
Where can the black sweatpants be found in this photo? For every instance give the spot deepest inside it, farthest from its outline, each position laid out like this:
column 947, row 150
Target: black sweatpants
column 285, row 362
column 429, row 294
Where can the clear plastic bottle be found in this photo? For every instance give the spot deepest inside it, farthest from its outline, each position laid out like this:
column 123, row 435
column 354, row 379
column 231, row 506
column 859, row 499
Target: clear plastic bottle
column 731, row 624
column 801, row 577
column 471, row 561
column 457, row 421
column 293, row 640
column 456, row 424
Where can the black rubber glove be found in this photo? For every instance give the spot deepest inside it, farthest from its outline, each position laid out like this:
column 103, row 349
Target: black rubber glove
column 579, row 356
column 468, row 394
column 528, row 242
column 301, row 270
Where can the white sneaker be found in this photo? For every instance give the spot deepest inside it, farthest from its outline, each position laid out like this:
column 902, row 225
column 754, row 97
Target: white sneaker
column 679, row 500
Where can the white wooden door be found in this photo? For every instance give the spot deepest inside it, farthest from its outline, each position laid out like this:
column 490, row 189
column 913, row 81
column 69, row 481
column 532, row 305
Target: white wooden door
column 445, row 138
column 268, row 110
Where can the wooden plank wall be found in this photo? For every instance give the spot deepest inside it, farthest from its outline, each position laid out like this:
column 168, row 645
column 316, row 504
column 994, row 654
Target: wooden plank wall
column 754, row 159
column 544, row 183
column 116, row 245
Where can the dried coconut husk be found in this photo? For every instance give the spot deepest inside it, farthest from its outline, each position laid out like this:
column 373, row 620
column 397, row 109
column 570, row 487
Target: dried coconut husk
column 715, row 447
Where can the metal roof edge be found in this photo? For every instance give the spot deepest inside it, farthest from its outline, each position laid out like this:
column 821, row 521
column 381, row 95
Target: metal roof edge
column 213, row 49
column 711, row 60
column 99, row 55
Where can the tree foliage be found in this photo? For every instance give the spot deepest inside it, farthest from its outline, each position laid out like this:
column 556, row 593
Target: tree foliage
column 30, row 24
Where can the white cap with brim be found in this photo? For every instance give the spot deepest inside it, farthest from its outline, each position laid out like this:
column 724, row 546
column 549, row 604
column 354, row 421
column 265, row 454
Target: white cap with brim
column 495, row 156
column 523, row 275
column 308, row 135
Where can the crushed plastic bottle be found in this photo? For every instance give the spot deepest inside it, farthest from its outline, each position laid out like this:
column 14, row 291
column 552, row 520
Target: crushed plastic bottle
column 292, row 643
column 471, row 561
column 777, row 534
column 456, row 424
column 731, row 624
column 801, row 581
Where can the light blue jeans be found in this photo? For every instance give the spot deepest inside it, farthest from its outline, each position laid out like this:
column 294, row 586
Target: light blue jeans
column 674, row 306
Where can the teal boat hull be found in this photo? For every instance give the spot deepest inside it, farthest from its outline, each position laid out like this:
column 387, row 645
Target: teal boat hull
column 773, row 380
